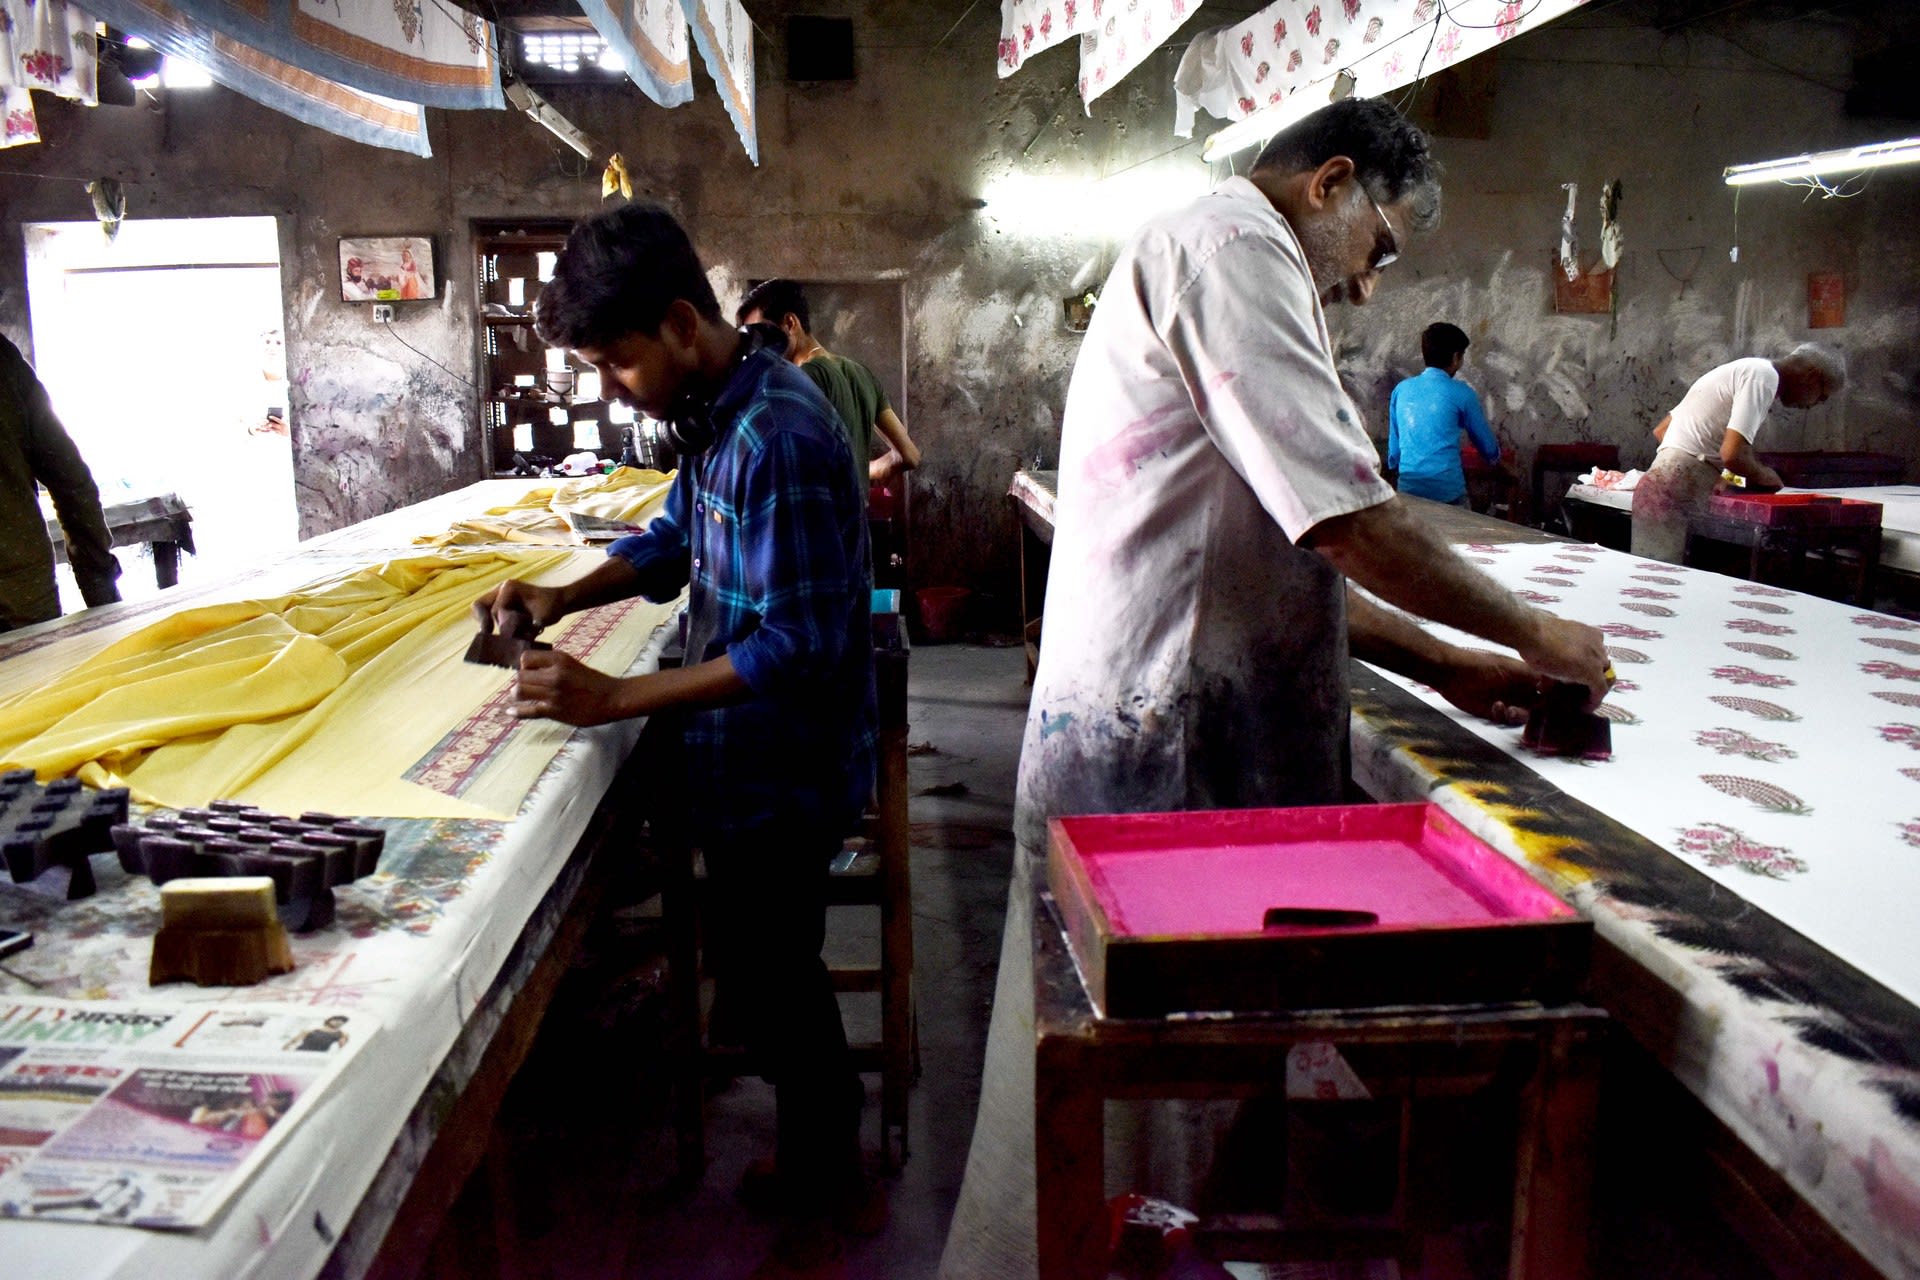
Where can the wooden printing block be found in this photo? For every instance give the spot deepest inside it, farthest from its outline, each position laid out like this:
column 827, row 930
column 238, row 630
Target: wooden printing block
column 368, row 844
column 336, row 856
column 369, row 841
column 1561, row 725
column 219, row 932
column 56, row 828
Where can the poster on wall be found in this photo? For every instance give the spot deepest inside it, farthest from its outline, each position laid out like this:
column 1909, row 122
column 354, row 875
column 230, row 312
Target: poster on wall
column 1826, row 300
column 387, row 269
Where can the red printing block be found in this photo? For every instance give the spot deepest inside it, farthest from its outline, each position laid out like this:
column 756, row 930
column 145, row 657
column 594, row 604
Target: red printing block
column 1561, row 725
column 1796, row 510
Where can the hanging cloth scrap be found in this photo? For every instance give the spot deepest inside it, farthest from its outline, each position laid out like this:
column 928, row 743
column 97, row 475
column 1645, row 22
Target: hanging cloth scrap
column 46, row 45
column 1232, row 72
column 304, row 95
column 650, row 36
column 1111, row 49
column 724, row 35
column 434, row 54
column 341, row 696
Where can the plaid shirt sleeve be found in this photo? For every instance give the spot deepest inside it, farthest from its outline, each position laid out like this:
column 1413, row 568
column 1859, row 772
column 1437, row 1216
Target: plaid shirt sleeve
column 661, row 555
column 795, row 573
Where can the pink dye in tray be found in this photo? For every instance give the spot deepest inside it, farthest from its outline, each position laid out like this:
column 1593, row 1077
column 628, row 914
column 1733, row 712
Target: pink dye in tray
column 1219, row 873
column 1164, row 912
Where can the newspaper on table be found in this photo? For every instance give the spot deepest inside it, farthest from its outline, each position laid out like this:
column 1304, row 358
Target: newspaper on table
column 150, row 1114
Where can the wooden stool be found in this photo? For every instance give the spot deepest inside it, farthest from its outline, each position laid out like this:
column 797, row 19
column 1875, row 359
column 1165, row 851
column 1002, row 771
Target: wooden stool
column 878, row 875
column 1082, row 1060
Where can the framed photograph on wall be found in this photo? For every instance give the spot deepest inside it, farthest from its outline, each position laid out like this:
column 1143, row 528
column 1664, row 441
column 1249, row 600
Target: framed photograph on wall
column 387, row 269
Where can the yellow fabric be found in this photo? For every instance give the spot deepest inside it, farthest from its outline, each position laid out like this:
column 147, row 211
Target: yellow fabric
column 628, row 494
column 320, row 699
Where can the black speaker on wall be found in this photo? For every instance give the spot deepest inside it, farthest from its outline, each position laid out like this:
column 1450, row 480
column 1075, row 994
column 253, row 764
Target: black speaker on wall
column 819, row 48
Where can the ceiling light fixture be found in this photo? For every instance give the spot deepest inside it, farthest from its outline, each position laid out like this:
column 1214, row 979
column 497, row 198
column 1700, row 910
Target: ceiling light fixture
column 1872, row 155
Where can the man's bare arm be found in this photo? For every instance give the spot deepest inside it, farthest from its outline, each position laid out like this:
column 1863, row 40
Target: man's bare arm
column 1737, row 456
column 1482, row 683
column 895, row 433
column 1397, row 556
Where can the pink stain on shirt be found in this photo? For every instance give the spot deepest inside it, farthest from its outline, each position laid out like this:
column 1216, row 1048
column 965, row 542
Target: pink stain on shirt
column 1891, row 1196
column 1115, row 462
column 1217, row 381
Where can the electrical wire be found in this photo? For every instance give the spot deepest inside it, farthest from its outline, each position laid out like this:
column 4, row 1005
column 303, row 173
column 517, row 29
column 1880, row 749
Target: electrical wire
column 394, row 333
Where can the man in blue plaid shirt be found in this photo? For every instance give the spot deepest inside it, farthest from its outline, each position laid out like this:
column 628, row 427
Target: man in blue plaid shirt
column 775, row 704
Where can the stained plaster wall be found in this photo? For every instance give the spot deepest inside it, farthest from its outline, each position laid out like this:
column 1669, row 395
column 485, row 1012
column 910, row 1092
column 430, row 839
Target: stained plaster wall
column 879, row 180
column 1664, row 114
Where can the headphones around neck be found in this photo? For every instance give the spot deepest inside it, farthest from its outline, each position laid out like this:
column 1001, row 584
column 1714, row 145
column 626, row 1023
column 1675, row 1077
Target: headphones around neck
column 689, row 427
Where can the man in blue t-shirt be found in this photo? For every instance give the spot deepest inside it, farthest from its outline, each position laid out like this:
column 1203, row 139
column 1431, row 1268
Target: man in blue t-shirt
column 1426, row 416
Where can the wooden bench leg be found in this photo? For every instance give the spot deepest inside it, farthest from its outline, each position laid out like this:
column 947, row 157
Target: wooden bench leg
column 166, row 563
column 685, row 1053
column 1553, row 1175
column 1069, row 1166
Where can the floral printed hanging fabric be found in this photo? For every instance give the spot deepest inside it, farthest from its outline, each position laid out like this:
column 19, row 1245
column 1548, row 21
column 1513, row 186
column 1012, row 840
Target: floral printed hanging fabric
column 1115, row 35
column 1769, row 739
column 46, row 45
column 1231, row 72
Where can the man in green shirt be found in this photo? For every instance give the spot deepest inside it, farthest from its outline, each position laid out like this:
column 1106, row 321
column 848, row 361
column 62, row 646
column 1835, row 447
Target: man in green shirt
column 35, row 449
column 848, row 385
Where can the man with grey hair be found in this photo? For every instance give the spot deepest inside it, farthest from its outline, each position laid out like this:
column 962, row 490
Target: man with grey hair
column 1712, row 430
column 1217, row 490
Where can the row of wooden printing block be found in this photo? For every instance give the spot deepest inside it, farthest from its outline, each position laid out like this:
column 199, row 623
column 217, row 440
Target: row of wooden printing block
column 305, row 857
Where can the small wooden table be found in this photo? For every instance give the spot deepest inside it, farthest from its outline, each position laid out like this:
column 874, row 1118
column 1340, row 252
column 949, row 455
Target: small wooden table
column 1082, row 1059
column 163, row 523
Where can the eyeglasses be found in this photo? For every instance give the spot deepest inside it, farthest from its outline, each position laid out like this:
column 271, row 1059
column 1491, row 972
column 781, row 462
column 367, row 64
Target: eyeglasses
column 1382, row 261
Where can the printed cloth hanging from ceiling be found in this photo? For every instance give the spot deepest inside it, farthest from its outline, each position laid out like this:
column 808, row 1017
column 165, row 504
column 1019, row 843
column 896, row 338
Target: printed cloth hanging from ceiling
column 1232, row 72
column 1115, row 35
column 1114, row 47
column 651, row 38
column 313, row 99
column 724, row 35
column 420, row 51
column 46, row 45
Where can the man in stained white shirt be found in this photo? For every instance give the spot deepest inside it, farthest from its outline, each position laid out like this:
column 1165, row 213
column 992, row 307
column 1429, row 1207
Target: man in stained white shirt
column 1217, row 490
column 1712, row 430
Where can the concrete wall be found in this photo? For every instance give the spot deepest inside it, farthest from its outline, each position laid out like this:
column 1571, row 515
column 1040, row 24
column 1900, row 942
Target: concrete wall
column 879, row 180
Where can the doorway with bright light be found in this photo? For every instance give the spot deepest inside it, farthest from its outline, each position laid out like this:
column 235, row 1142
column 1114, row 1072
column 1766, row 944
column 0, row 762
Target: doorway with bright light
column 163, row 352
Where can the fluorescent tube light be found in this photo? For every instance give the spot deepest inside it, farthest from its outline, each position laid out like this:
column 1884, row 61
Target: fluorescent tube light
column 1873, row 155
column 1262, row 124
column 1267, row 121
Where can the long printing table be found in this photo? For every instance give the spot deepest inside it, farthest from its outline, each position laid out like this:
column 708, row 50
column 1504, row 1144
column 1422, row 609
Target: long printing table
column 1803, row 1049
column 455, row 949
column 1756, row 941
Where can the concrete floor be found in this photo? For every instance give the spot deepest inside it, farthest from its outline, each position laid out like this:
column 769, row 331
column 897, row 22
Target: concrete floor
column 583, row 1183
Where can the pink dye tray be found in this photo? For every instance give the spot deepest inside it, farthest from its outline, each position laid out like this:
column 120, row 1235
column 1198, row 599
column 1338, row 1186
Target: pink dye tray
column 1164, row 912
column 1796, row 510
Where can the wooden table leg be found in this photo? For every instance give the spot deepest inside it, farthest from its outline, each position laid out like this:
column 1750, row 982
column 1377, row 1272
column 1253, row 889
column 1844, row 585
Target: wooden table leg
column 1069, row 1165
column 1553, row 1174
column 166, row 563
